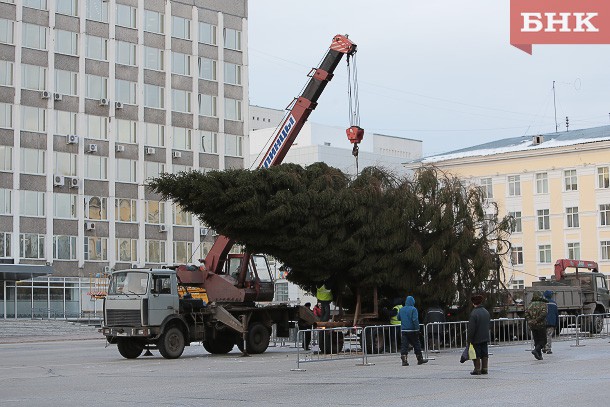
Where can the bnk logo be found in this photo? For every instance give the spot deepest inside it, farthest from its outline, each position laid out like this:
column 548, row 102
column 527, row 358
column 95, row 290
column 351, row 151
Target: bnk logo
column 559, row 22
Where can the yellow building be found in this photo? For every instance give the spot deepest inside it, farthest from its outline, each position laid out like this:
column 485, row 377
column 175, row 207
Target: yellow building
column 556, row 186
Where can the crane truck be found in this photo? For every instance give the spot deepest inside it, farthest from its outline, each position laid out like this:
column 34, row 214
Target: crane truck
column 218, row 302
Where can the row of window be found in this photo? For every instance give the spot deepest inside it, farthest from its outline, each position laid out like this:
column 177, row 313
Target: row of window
column 570, row 182
column 35, row 36
column 572, row 220
column 544, row 252
column 32, row 246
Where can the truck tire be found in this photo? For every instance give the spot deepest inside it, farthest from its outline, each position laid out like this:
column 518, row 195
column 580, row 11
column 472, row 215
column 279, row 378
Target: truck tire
column 219, row 344
column 331, row 342
column 171, row 343
column 257, row 339
column 597, row 322
column 129, row 349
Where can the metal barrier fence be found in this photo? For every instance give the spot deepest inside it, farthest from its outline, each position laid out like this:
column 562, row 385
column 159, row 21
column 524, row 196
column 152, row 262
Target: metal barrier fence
column 328, row 344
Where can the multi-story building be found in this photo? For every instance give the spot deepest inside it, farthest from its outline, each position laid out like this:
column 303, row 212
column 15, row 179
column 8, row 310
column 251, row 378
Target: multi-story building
column 97, row 96
column 557, row 188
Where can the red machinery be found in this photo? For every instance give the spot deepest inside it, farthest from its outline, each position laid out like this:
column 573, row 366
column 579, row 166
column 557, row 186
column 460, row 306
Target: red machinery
column 562, row 264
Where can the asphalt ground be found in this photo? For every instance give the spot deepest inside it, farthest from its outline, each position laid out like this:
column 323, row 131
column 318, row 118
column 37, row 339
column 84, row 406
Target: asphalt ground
column 74, row 368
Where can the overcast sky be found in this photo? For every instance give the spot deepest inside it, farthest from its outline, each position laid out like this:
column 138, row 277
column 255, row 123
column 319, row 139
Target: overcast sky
column 440, row 71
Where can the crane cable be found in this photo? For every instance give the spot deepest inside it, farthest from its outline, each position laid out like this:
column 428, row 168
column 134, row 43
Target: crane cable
column 354, row 102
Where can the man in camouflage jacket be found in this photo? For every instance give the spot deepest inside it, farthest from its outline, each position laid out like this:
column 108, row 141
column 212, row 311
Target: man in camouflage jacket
column 536, row 320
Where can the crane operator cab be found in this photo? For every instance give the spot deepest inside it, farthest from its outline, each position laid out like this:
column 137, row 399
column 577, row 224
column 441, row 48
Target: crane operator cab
column 256, row 276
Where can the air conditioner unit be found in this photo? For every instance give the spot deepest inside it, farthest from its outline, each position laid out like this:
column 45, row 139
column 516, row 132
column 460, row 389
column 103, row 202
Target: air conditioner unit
column 118, row 105
column 162, row 228
column 134, row 265
column 120, row 148
column 149, row 150
column 203, row 231
column 57, row 96
column 59, row 180
column 104, row 102
column 177, row 154
column 74, row 183
column 72, row 139
column 107, row 269
column 89, row 226
column 45, row 94
column 92, row 148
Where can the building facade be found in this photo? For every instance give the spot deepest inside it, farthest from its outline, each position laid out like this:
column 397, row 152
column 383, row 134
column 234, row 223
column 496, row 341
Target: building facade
column 97, row 96
column 557, row 188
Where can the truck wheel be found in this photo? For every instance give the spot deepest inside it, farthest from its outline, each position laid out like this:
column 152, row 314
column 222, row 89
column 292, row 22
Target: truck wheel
column 257, row 339
column 374, row 342
column 129, row 349
column 171, row 343
column 220, row 344
column 331, row 342
column 597, row 323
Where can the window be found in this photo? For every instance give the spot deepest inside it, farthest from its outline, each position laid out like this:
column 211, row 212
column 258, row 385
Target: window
column 126, row 170
column 64, row 247
column 97, row 48
column 126, row 16
column 182, row 252
column 181, row 28
column 544, row 221
column 233, row 145
column 517, row 284
column 514, row 185
column 34, row 36
column 96, row 248
column 207, row 33
column 155, row 212
column 574, row 251
column 604, row 215
column 33, row 77
column 66, row 42
column 153, row 169
column 207, row 69
column 517, row 226
column 177, row 168
column 209, row 143
column 126, row 91
column 96, row 87
column 96, row 167
column 281, row 291
column 181, row 63
column 64, row 206
column 31, row 246
column 542, row 183
column 487, row 186
column 155, row 251
column 97, row 127
column 67, row 7
column 65, row 164
column 544, row 253
column 603, row 177
column 125, row 210
column 32, row 161
column 153, row 96
column 232, row 109
column 126, row 53
column 572, row 217
column 570, row 180
column 97, row 10
column 153, row 58
column 126, row 131
column 232, row 74
column 6, row 118
column 182, row 218
column 5, row 201
column 6, row 158
column 154, row 22
column 182, row 138
column 5, row 244
column 38, row 4
column 127, row 250
column 32, row 203
column 95, row 208
column 66, row 82
column 604, row 245
column 207, row 105
column 516, row 255
column 65, row 122
column 232, row 39
column 155, row 135
column 181, row 101
column 6, row 73
column 6, row 31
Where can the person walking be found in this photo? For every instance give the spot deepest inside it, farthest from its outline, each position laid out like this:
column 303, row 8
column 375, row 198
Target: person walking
column 325, row 297
column 535, row 314
column 478, row 334
column 409, row 327
column 307, row 329
column 552, row 320
column 395, row 332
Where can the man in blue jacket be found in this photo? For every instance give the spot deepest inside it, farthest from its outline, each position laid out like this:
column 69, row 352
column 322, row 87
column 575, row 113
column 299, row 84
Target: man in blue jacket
column 552, row 320
column 409, row 327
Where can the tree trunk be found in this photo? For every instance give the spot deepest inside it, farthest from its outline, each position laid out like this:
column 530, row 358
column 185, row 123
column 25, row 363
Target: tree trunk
column 358, row 305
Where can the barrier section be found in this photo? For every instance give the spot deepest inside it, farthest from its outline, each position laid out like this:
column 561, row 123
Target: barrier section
column 327, row 344
column 592, row 326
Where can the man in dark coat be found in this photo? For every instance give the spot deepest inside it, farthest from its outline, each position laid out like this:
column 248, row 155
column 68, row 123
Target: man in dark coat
column 552, row 320
column 478, row 334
